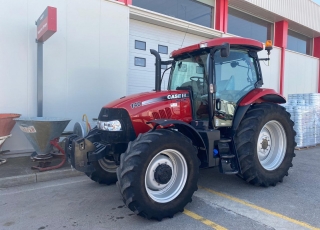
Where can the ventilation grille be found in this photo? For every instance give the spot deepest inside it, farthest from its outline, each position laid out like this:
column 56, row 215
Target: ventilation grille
column 168, row 111
column 156, row 115
column 164, row 114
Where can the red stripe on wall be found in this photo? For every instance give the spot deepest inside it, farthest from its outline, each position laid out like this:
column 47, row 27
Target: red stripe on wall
column 281, row 34
column 221, row 16
column 280, row 40
column 316, row 53
column 127, row 2
column 226, row 3
column 282, row 67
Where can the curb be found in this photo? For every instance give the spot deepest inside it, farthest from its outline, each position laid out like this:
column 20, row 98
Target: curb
column 38, row 177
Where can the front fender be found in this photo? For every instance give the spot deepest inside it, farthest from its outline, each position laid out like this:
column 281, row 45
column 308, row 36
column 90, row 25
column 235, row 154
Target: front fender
column 183, row 127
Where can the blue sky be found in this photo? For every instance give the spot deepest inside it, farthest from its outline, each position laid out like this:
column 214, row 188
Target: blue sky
column 317, row 1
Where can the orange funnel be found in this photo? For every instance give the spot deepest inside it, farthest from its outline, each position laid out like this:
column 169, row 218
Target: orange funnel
column 6, row 124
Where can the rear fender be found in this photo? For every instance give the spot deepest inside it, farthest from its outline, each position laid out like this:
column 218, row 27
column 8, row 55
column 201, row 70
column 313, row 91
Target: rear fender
column 259, row 95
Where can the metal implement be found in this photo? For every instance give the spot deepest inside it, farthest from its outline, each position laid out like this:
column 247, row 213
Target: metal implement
column 41, row 130
column 43, row 134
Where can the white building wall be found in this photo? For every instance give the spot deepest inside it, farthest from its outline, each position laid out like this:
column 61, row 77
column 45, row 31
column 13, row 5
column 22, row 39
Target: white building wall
column 142, row 79
column 271, row 71
column 301, row 73
column 85, row 61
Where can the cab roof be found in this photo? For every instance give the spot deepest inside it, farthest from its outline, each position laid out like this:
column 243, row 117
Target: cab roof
column 233, row 41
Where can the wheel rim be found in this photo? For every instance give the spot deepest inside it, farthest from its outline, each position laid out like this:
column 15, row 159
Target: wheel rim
column 272, row 145
column 108, row 165
column 163, row 193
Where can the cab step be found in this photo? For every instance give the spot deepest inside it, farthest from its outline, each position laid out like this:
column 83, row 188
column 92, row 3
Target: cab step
column 226, row 167
column 228, row 161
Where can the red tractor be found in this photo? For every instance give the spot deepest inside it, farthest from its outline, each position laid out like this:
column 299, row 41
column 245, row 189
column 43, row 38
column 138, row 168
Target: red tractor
column 213, row 113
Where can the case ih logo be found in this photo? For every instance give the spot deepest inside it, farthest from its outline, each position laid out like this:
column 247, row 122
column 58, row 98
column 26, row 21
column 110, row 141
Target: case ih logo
column 177, row 96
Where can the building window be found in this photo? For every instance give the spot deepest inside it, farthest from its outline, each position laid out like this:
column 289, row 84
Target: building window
column 298, row 42
column 138, row 61
column 139, row 45
column 248, row 26
column 163, row 66
column 188, row 10
column 163, row 49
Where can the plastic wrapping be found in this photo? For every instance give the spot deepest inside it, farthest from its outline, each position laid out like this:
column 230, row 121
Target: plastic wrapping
column 305, row 113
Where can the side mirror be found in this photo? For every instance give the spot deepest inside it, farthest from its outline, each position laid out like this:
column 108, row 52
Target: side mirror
column 225, row 50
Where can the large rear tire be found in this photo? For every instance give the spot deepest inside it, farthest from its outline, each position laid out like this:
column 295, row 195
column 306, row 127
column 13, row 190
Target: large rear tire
column 265, row 144
column 158, row 174
column 105, row 172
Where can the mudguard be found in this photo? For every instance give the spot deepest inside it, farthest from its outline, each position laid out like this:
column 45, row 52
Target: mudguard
column 183, row 127
column 262, row 95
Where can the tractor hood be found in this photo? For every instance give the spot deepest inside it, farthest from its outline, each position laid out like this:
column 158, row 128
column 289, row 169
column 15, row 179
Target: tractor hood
column 136, row 101
column 144, row 107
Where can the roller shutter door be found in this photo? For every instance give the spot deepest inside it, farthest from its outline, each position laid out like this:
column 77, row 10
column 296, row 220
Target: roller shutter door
column 143, row 37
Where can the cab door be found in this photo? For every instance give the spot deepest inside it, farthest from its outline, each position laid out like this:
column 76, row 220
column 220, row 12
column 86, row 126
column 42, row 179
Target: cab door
column 235, row 75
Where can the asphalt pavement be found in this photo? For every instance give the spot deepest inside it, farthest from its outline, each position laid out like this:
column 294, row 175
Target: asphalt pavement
column 222, row 202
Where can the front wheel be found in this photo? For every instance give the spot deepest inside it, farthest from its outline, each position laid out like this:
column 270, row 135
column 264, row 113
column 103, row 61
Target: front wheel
column 265, row 144
column 105, row 172
column 158, row 174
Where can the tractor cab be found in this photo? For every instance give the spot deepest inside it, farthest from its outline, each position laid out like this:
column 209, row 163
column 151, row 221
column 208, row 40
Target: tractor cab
column 233, row 75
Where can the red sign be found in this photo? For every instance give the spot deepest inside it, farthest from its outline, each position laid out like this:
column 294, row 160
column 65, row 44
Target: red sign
column 47, row 24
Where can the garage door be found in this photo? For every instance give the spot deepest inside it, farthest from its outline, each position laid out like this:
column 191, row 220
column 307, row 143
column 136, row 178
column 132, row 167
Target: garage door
column 143, row 37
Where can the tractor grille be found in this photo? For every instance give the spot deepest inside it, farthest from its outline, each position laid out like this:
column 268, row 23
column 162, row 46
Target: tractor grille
column 164, row 114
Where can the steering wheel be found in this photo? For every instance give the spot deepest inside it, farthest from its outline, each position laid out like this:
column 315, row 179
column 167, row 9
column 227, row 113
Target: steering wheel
column 197, row 78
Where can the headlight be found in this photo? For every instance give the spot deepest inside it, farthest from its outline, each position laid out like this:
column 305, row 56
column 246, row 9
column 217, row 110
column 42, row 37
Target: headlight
column 109, row 125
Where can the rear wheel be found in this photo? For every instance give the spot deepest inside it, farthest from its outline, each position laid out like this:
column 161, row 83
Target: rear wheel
column 265, row 144
column 158, row 174
column 105, row 172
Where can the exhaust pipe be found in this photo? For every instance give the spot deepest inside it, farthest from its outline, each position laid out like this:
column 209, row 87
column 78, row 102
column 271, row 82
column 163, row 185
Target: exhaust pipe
column 158, row 70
